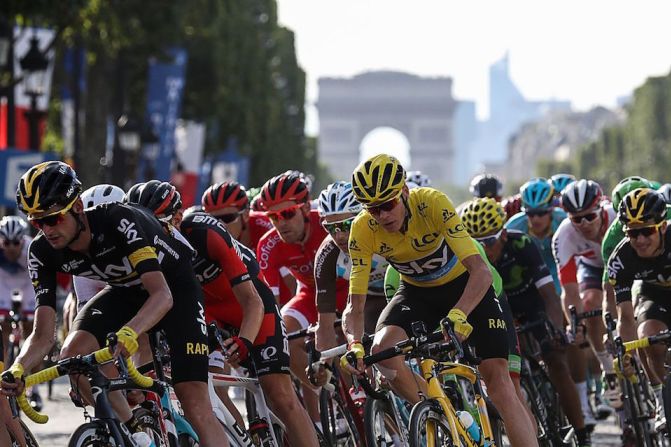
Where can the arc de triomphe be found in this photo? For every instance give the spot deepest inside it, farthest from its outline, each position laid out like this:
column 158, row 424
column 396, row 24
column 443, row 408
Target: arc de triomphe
column 422, row 109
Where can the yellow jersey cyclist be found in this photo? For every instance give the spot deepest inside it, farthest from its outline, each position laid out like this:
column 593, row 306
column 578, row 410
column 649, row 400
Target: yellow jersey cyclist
column 442, row 274
column 644, row 254
column 151, row 284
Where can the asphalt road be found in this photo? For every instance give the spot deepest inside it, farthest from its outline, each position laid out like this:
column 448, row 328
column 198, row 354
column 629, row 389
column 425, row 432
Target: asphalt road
column 64, row 418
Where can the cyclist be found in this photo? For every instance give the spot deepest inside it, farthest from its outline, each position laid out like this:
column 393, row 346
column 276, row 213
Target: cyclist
column 236, row 298
column 559, row 182
column 576, row 246
column 486, row 185
column 420, row 234
column 644, row 255
column 531, row 293
column 418, row 179
column 122, row 245
column 293, row 244
column 229, row 202
column 338, row 207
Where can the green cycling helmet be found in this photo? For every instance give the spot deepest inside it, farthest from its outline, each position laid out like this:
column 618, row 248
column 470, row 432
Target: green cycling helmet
column 626, row 186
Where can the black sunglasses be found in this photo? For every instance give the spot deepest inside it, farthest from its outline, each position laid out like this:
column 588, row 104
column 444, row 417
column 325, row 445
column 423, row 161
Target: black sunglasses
column 537, row 213
column 385, row 206
column 588, row 217
column 7, row 243
column 228, row 218
column 633, row 233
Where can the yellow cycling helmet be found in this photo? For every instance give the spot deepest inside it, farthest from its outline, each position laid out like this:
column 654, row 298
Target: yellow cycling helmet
column 45, row 185
column 483, row 217
column 377, row 180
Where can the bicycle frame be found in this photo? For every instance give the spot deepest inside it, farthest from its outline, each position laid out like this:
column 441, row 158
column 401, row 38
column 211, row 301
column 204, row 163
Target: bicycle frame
column 432, row 372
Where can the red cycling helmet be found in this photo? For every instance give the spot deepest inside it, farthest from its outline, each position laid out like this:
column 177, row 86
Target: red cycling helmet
column 282, row 188
column 224, row 195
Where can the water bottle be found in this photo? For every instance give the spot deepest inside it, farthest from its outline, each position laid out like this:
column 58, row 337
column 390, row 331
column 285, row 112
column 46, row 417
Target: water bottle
column 358, row 396
column 470, row 425
column 141, row 439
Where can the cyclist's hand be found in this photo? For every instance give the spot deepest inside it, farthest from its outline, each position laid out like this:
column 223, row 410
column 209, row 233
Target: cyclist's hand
column 462, row 328
column 627, row 369
column 356, row 351
column 12, row 380
column 238, row 349
column 126, row 342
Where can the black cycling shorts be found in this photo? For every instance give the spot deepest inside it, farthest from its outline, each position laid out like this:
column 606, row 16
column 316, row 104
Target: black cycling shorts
column 431, row 304
column 184, row 324
column 653, row 304
column 589, row 276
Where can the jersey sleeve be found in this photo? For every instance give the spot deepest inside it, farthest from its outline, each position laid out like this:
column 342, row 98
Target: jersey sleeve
column 361, row 253
column 564, row 258
column 222, row 248
column 612, row 237
column 325, row 275
column 42, row 274
column 267, row 264
column 132, row 240
column 445, row 217
column 530, row 254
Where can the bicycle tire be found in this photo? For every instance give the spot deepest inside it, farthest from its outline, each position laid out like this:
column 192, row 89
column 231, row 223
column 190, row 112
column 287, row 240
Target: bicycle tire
column 331, row 411
column 633, row 412
column 421, row 414
column 92, row 434
column 380, row 424
column 534, row 403
column 28, row 436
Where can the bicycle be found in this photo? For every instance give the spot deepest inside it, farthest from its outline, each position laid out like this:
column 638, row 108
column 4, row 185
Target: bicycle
column 437, row 419
column 638, row 398
column 541, row 396
column 103, row 429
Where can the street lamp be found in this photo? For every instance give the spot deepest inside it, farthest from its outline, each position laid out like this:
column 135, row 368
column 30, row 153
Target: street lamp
column 34, row 67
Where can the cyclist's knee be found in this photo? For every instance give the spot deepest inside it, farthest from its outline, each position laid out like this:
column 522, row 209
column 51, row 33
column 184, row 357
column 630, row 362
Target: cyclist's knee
column 194, row 398
column 79, row 342
column 592, row 299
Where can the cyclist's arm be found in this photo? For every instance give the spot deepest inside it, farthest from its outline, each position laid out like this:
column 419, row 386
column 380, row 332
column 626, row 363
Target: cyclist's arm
column 552, row 304
column 157, row 305
column 353, row 318
column 479, row 281
column 252, row 309
column 608, row 303
column 626, row 323
column 39, row 342
column 325, row 336
column 325, row 283
column 361, row 254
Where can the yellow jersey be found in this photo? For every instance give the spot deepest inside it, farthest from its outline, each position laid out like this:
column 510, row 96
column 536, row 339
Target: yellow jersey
column 427, row 254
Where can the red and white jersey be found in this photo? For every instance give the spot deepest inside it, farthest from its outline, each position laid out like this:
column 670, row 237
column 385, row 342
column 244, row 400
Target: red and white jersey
column 272, row 254
column 259, row 224
column 569, row 246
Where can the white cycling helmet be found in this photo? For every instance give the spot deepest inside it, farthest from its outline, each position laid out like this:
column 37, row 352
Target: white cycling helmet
column 338, row 198
column 418, row 178
column 102, row 193
column 665, row 191
column 12, row 228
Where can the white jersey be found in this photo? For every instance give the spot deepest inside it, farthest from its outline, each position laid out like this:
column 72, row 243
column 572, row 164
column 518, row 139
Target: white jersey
column 569, row 247
column 85, row 289
column 14, row 278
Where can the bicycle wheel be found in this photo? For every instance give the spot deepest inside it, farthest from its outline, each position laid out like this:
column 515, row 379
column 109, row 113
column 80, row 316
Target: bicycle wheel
column 429, row 426
column 533, row 401
column 338, row 425
column 92, row 434
column 380, row 423
column 30, row 439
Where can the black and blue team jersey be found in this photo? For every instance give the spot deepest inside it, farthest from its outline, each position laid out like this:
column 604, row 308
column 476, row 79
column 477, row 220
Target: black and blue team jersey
column 625, row 266
column 523, row 271
column 126, row 241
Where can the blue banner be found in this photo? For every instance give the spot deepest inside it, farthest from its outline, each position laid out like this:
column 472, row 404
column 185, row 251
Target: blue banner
column 13, row 164
column 225, row 166
column 164, row 103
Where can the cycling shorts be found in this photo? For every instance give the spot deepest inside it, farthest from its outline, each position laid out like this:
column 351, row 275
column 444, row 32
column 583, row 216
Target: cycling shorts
column 302, row 307
column 184, row 324
column 514, row 356
column 653, row 304
column 431, row 304
column 589, row 276
column 270, row 352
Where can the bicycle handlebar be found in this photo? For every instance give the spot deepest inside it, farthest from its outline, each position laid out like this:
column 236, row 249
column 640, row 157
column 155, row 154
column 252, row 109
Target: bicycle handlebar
column 64, row 366
column 662, row 337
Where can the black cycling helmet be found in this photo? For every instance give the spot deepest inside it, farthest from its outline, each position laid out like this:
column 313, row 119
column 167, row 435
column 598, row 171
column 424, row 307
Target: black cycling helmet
column 641, row 205
column 486, row 185
column 46, row 185
column 581, row 196
column 161, row 198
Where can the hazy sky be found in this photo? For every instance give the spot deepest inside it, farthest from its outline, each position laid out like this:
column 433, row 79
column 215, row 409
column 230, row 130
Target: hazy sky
column 588, row 51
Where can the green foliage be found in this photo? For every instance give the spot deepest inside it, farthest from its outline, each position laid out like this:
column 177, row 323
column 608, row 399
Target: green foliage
column 641, row 146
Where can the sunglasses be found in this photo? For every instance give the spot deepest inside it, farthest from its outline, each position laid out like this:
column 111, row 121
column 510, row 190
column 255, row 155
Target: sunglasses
column 285, row 214
column 7, row 243
column 229, row 218
column 52, row 219
column 648, row 231
column 337, row 227
column 385, row 206
column 587, row 217
column 537, row 213
column 490, row 240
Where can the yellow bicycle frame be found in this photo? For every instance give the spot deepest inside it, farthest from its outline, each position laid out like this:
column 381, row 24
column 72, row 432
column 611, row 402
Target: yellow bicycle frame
column 432, row 372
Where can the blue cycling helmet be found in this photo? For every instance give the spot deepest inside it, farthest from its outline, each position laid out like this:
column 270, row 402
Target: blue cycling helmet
column 338, row 198
column 536, row 194
column 561, row 181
